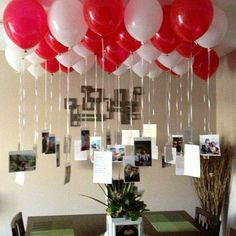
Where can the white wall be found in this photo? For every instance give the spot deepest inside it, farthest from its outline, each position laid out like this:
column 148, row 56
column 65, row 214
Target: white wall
column 44, row 192
column 226, row 119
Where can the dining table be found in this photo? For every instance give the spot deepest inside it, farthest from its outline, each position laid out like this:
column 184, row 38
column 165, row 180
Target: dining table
column 178, row 223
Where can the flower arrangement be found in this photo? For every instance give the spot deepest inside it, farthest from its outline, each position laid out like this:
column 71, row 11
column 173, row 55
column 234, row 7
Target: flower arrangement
column 122, row 200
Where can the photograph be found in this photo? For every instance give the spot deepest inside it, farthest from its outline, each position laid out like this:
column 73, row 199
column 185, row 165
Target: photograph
column 210, row 145
column 85, row 140
column 67, row 144
column 51, row 148
column 95, row 143
column 58, row 154
column 22, row 161
column 118, row 152
column 143, row 151
column 177, row 142
column 45, row 135
column 108, row 137
column 67, row 173
column 131, row 172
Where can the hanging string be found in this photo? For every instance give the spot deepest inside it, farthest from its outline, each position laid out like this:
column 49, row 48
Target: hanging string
column 45, row 97
column 23, row 105
column 118, row 98
column 177, row 107
column 208, row 93
column 96, row 90
column 103, row 75
column 168, row 94
column 191, row 92
column 86, row 94
column 205, row 106
column 149, row 101
column 153, row 96
column 131, row 92
column 36, row 115
column 181, row 106
column 142, row 97
column 67, row 105
column 50, row 109
column 20, row 110
column 188, row 93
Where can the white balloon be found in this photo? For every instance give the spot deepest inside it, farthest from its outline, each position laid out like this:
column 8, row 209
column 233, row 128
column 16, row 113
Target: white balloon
column 84, row 65
column 15, row 59
column 141, row 68
column 216, row 31
column 170, row 60
column 121, row 70
column 154, row 71
column 131, row 60
column 34, row 58
column 36, row 70
column 82, row 51
column 148, row 52
column 143, row 18
column 66, row 22
column 69, row 58
column 182, row 67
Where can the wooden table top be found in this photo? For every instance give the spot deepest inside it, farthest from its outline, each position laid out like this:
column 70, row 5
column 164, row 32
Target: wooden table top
column 95, row 224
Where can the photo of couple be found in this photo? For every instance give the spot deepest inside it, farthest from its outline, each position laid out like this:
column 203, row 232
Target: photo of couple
column 209, row 145
column 143, row 151
column 131, row 172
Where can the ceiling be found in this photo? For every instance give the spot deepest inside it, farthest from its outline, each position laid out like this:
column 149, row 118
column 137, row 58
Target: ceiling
column 229, row 6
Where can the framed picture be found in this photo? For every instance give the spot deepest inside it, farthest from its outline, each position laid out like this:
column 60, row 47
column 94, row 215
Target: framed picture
column 143, row 151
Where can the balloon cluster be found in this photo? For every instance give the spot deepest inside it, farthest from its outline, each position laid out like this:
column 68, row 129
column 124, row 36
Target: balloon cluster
column 144, row 35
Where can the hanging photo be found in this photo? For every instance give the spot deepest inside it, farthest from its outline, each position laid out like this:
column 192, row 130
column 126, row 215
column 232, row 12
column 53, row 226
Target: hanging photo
column 22, row 161
column 58, row 154
column 131, row 172
column 118, row 152
column 143, row 151
column 177, row 142
column 45, row 135
column 85, row 140
column 95, row 143
column 210, row 145
column 51, row 149
column 108, row 137
column 67, row 173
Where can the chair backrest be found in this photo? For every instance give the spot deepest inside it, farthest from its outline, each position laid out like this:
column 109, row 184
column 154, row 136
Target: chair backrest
column 208, row 222
column 17, row 225
column 232, row 232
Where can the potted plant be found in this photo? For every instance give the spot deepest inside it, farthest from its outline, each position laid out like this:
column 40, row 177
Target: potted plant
column 122, row 200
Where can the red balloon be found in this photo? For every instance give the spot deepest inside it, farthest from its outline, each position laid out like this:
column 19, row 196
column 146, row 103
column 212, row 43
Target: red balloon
column 165, row 40
column 191, row 19
column 125, row 40
column 54, row 44
column 45, row 51
column 103, row 16
column 105, row 64
column 114, row 53
column 187, row 49
column 66, row 69
column 92, row 41
column 161, row 66
column 52, row 66
column 205, row 64
column 25, row 22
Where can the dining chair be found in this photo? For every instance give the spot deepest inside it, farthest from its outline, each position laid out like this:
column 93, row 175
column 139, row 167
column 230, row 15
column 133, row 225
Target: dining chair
column 17, row 225
column 207, row 221
column 232, row 232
